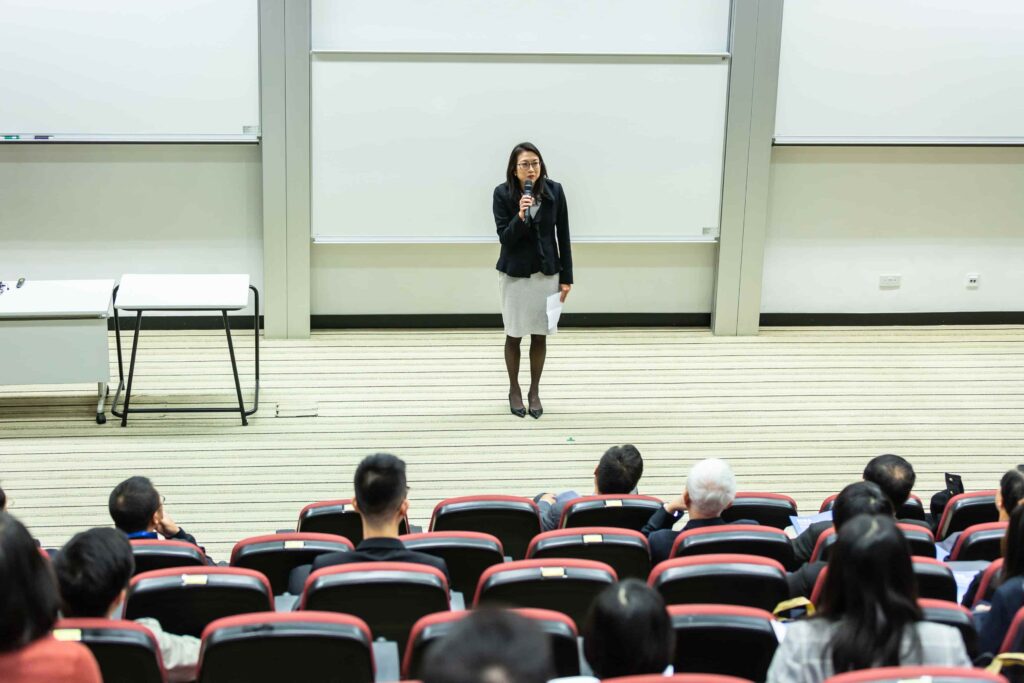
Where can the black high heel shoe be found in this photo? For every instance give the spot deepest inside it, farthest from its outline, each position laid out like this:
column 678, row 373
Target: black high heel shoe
column 518, row 412
column 535, row 413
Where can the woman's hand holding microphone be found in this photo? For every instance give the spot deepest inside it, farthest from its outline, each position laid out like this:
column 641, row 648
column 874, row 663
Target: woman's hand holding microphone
column 525, row 202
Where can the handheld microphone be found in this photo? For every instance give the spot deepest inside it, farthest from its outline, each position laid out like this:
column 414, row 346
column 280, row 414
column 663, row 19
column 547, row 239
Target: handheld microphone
column 527, row 192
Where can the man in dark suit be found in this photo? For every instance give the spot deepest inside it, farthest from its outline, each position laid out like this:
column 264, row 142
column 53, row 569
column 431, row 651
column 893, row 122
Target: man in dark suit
column 381, row 499
column 710, row 488
column 893, row 474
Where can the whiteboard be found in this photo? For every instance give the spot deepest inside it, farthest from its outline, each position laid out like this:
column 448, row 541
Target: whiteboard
column 901, row 71
column 522, row 26
column 410, row 149
column 177, row 70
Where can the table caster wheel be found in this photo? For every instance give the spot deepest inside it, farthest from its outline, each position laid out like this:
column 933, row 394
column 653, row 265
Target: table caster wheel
column 101, row 418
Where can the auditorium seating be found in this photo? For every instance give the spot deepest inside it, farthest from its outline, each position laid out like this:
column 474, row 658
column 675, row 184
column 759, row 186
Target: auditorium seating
column 911, row 509
column 337, row 517
column 513, row 520
column 467, row 554
column 742, row 539
column 275, row 555
column 746, row 580
column 917, row 674
column 952, row 614
column 723, row 639
column 678, row 678
column 967, row 509
column 268, row 647
column 564, row 585
column 769, row 509
column 934, row 579
column 979, row 542
column 1013, row 641
column 185, row 599
column 619, row 511
column 126, row 652
column 625, row 550
column 986, row 585
column 920, row 540
column 559, row 627
column 153, row 554
column 389, row 596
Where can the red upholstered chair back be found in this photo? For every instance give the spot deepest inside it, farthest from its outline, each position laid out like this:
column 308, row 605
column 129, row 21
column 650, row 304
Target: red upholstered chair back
column 979, row 542
column 275, row 555
column 185, row 599
column 467, row 554
column 389, row 596
column 708, row 638
column 768, row 509
column 563, row 585
column 967, row 509
column 625, row 550
column 986, row 586
column 153, row 554
column 513, row 520
column 268, row 647
column 125, row 651
column 620, row 511
column 952, row 614
column 727, row 579
column 742, row 539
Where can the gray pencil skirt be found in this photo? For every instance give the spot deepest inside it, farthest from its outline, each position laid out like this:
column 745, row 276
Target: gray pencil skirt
column 524, row 303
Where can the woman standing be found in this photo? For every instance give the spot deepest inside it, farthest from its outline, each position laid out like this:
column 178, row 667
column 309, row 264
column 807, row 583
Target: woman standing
column 532, row 219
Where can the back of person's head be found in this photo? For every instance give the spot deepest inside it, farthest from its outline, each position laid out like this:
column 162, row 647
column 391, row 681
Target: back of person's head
column 1013, row 546
column 491, row 646
column 894, row 475
column 3, row 500
column 620, row 470
column 861, row 498
column 1011, row 488
column 871, row 592
column 711, row 486
column 28, row 592
column 380, row 486
column 92, row 570
column 133, row 503
column 628, row 632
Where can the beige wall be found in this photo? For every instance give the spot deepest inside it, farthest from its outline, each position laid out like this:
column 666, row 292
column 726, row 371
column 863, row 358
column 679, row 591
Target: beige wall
column 839, row 217
column 460, row 278
column 102, row 210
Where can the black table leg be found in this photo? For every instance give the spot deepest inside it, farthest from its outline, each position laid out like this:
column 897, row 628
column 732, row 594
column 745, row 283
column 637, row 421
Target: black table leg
column 131, row 368
column 234, row 367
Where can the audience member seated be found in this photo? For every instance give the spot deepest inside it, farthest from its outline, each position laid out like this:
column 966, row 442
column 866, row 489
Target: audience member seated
column 628, row 632
column 491, row 646
column 618, row 472
column 710, row 488
column 861, row 498
column 3, row 500
column 893, row 474
column 137, row 509
column 1008, row 496
column 28, row 610
column 93, row 570
column 993, row 619
column 381, row 500
column 869, row 615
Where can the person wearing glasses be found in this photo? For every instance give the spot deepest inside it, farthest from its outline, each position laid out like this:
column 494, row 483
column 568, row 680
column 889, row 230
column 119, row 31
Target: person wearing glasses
column 137, row 509
column 535, row 262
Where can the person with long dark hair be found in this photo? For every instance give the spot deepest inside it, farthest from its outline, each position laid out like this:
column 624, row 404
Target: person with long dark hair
column 29, row 601
column 869, row 615
column 628, row 631
column 535, row 262
column 993, row 619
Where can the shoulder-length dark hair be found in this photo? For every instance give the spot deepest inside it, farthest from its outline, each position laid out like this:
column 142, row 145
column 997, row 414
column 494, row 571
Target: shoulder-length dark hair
column 510, row 173
column 870, row 593
column 28, row 590
column 628, row 632
column 1013, row 552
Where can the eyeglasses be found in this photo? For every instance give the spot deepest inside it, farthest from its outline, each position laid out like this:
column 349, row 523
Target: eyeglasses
column 528, row 164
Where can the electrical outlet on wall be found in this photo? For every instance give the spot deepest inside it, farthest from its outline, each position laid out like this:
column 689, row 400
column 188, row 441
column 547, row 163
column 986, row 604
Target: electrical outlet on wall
column 889, row 281
column 971, row 281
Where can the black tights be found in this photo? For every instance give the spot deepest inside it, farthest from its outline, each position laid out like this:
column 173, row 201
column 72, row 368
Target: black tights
column 538, row 352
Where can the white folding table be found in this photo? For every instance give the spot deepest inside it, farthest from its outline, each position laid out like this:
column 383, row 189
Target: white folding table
column 55, row 332
column 195, row 293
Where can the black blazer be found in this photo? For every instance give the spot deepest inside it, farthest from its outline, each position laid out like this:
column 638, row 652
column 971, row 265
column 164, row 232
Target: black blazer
column 527, row 248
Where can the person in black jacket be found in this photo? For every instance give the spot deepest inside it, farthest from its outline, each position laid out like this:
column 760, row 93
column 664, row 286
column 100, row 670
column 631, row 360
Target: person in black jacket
column 381, row 500
column 137, row 509
column 535, row 262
